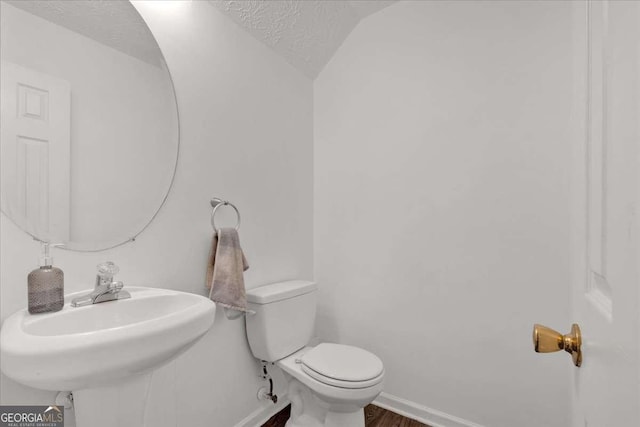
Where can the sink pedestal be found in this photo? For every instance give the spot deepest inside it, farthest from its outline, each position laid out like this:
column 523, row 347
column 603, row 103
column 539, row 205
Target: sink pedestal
column 119, row 405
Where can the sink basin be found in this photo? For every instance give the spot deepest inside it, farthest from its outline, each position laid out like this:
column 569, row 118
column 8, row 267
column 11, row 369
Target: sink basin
column 98, row 345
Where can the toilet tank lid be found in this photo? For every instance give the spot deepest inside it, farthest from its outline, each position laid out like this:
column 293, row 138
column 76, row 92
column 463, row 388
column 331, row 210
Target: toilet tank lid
column 280, row 291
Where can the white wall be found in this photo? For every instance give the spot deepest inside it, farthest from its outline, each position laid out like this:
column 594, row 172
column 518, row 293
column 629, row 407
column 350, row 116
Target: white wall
column 246, row 135
column 441, row 161
column 122, row 119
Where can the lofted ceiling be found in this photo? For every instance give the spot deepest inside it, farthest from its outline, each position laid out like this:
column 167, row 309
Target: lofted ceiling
column 305, row 32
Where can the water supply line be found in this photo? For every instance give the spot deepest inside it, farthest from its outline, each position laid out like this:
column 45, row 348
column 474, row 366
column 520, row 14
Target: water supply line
column 262, row 393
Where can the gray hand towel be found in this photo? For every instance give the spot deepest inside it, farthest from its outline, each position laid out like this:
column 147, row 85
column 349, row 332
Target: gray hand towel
column 225, row 271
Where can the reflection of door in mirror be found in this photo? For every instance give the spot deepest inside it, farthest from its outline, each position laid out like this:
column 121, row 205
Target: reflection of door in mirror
column 36, row 146
column 121, row 125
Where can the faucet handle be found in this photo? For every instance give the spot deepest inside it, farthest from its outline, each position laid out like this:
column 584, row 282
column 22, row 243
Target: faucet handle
column 108, row 269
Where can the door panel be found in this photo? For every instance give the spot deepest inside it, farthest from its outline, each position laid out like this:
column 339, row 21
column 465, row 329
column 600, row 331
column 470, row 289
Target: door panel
column 35, row 151
column 605, row 221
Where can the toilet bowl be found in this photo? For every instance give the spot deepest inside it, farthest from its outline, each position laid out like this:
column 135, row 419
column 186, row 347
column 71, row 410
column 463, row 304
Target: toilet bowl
column 329, row 384
column 328, row 389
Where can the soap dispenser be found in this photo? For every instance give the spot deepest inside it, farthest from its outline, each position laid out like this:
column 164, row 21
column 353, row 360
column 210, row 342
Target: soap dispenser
column 46, row 284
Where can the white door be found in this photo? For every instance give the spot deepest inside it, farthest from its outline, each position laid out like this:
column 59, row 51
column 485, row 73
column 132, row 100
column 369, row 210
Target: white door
column 606, row 232
column 35, row 151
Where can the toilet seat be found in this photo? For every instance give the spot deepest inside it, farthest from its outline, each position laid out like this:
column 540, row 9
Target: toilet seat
column 343, row 366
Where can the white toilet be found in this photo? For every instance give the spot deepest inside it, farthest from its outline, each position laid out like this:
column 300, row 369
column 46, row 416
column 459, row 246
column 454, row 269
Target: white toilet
column 329, row 384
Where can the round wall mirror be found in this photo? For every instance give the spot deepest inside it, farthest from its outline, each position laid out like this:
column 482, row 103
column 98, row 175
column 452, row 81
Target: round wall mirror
column 89, row 123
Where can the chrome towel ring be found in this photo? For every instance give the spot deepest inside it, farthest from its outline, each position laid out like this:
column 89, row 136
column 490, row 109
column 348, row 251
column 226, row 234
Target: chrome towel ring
column 215, row 204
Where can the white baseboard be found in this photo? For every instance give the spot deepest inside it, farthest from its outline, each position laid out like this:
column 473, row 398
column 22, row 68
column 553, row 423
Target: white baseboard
column 406, row 408
column 261, row 415
column 420, row 413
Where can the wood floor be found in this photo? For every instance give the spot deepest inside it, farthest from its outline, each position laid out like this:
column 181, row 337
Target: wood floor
column 374, row 416
column 279, row 419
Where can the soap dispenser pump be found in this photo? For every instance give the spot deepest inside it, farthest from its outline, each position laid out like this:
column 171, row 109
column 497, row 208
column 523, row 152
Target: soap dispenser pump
column 46, row 284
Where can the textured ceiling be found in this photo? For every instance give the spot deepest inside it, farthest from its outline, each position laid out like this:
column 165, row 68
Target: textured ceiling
column 115, row 23
column 305, row 32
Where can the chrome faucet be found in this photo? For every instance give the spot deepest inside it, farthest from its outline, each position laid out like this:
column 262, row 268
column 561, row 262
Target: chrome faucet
column 106, row 289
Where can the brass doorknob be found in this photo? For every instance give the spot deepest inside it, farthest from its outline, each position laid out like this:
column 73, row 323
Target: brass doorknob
column 546, row 340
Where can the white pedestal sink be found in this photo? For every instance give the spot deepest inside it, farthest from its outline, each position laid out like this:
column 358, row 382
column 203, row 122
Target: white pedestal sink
column 104, row 353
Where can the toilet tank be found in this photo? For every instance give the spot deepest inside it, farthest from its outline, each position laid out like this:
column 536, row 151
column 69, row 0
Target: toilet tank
column 284, row 320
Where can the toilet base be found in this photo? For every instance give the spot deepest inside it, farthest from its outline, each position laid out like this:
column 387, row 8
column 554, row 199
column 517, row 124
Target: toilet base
column 333, row 419
column 308, row 410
